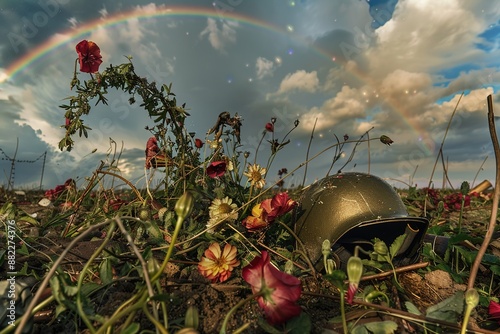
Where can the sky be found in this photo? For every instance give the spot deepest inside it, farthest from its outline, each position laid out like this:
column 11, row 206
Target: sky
column 340, row 67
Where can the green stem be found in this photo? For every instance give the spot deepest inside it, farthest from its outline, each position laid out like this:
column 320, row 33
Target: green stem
column 342, row 311
column 79, row 305
column 170, row 250
column 235, row 308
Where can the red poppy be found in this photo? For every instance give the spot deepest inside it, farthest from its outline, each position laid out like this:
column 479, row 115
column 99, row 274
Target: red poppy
column 89, row 56
column 270, row 127
column 153, row 157
column 198, row 143
column 280, row 290
column 216, row 169
column 494, row 310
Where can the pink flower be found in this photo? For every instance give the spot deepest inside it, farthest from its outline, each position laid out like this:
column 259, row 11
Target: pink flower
column 216, row 169
column 89, row 56
column 494, row 310
column 217, row 264
column 280, row 291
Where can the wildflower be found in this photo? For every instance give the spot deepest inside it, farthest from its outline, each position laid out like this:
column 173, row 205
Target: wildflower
column 277, row 206
column 89, row 56
column 280, row 290
column 153, row 157
column 214, row 144
column 256, row 175
column 254, row 221
column 216, row 169
column 270, row 127
column 268, row 210
column 282, row 172
column 494, row 310
column 221, row 210
column 217, row 264
column 198, row 143
column 354, row 272
column 386, row 140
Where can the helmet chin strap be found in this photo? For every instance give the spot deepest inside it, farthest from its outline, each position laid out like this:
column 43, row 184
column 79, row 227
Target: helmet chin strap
column 410, row 233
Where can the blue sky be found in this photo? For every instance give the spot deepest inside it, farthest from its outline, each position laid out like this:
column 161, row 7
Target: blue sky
column 398, row 67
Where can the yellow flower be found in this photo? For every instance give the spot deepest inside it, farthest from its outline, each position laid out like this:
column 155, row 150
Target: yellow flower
column 217, row 264
column 221, row 210
column 256, row 175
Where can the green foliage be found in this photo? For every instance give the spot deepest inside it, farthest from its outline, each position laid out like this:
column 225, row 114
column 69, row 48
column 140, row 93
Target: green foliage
column 379, row 327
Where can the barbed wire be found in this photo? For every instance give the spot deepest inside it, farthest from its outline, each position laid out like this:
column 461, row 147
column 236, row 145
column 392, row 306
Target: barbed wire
column 6, row 157
column 12, row 176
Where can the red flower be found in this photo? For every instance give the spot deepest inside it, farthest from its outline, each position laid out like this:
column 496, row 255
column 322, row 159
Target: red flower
column 198, row 143
column 89, row 56
column 280, row 290
column 266, row 212
column 153, row 157
column 255, row 222
column 270, row 127
column 216, row 169
column 277, row 206
column 494, row 310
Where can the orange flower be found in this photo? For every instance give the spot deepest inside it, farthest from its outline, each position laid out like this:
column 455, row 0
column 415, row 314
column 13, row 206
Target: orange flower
column 268, row 210
column 217, row 264
column 89, row 56
column 255, row 222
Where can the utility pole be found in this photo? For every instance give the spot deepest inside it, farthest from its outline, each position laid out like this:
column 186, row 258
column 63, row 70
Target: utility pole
column 43, row 169
column 13, row 168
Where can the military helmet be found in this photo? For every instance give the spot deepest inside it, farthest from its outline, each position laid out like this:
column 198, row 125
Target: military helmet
column 351, row 209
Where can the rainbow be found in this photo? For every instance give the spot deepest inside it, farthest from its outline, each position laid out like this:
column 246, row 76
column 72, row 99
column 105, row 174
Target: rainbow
column 224, row 12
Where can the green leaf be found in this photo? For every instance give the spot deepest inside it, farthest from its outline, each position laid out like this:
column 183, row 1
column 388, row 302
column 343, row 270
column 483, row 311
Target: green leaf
column 379, row 327
column 132, row 328
column 494, row 269
column 449, row 309
column 106, row 271
column 412, row 308
column 396, row 245
column 299, row 325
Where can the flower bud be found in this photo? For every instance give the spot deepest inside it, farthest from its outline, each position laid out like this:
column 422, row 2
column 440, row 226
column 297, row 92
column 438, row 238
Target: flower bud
column 326, row 247
column 289, row 267
column 354, row 269
column 471, row 297
column 330, row 266
column 464, row 188
column 184, row 205
column 152, row 266
column 380, row 247
column 192, row 319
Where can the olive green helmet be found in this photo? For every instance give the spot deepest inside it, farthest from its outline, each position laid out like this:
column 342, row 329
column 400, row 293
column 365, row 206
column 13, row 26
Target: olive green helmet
column 351, row 209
